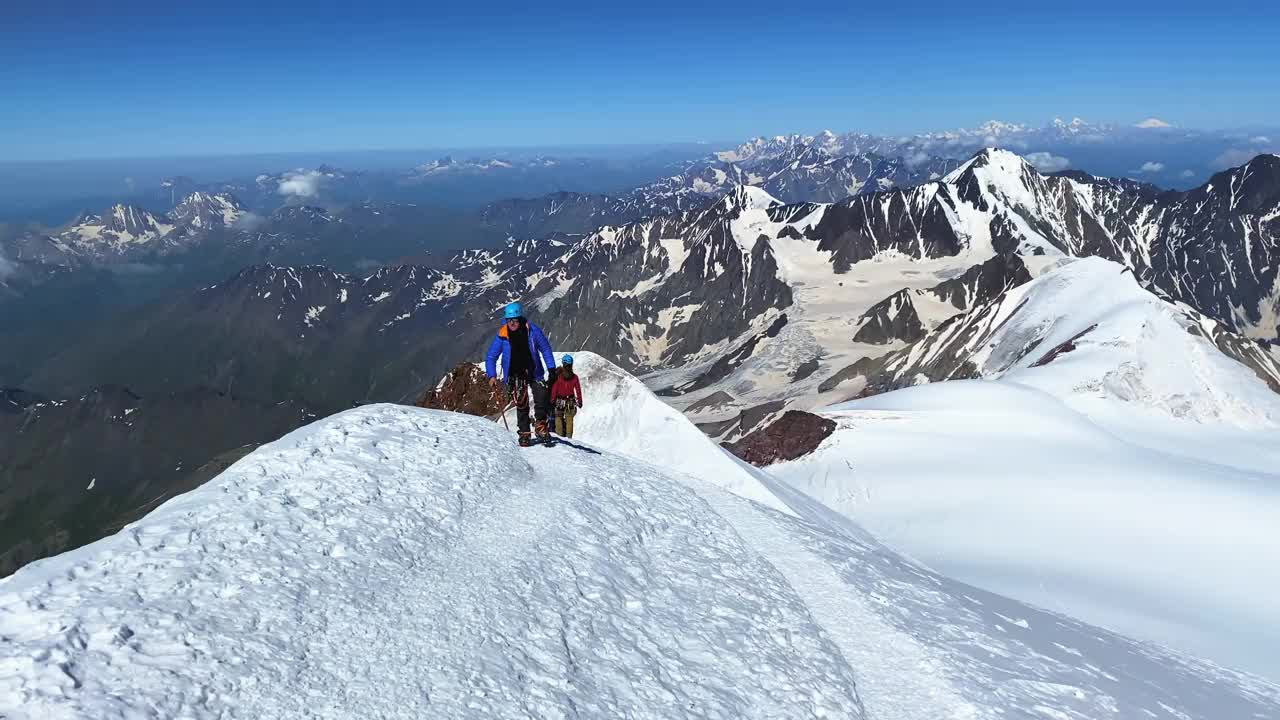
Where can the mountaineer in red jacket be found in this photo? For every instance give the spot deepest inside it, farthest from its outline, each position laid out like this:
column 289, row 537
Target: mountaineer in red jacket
column 566, row 397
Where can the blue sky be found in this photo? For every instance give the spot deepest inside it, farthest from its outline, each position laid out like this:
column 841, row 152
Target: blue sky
column 155, row 79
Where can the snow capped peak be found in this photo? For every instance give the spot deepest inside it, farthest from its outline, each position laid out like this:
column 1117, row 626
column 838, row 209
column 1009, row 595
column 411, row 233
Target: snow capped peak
column 201, row 197
column 995, row 155
column 124, row 218
column 119, row 228
column 997, row 128
column 762, row 147
column 750, row 197
column 997, row 162
column 1151, row 123
column 203, row 209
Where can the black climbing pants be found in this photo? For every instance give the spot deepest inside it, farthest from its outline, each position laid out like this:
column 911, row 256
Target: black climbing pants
column 520, row 388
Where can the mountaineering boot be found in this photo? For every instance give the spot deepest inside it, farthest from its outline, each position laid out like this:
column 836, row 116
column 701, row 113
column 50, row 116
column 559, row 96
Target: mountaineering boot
column 524, row 440
column 541, row 428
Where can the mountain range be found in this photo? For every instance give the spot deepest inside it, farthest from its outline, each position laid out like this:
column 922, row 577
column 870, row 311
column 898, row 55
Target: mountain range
column 798, row 170
column 694, row 295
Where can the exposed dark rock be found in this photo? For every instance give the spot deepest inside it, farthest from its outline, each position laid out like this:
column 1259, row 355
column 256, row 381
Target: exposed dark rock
column 714, row 400
column 717, row 429
column 746, row 421
column 861, row 227
column 791, row 436
column 805, row 369
column 1062, row 349
column 983, row 283
column 466, row 390
column 893, row 318
column 864, row 367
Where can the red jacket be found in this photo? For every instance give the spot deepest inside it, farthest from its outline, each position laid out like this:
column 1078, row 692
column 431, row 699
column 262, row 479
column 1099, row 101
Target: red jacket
column 567, row 388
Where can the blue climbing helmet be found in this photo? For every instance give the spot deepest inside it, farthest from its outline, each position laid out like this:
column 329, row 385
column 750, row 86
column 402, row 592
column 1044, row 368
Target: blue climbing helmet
column 566, row 360
column 514, row 310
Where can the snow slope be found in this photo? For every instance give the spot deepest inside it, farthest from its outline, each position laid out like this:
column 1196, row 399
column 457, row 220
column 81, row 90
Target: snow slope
column 397, row 562
column 621, row 414
column 1157, row 527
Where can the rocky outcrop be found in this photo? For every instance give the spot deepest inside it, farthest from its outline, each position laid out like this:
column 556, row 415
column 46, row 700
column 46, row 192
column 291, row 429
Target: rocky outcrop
column 795, row 434
column 713, row 401
column 983, row 283
column 894, row 318
column 805, row 369
column 466, row 390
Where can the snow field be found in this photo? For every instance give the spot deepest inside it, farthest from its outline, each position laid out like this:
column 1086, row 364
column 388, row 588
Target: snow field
column 1020, row 493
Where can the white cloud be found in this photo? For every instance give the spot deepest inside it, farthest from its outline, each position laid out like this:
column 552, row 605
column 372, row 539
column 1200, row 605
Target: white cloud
column 1188, row 173
column 7, row 268
column 1048, row 162
column 1232, row 158
column 301, row 184
column 916, row 158
column 248, row 221
column 1261, row 140
column 1153, row 123
column 1151, row 167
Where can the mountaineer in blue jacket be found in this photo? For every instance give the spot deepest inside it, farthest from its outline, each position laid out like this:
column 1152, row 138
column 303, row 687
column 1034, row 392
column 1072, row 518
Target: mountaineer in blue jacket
column 526, row 364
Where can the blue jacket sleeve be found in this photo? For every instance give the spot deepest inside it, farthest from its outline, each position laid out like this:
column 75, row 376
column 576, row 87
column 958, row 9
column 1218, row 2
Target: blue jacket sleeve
column 544, row 347
column 491, row 357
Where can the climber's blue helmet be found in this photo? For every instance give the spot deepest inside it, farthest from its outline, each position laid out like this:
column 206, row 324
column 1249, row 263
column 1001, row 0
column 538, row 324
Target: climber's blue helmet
column 514, row 310
column 566, row 360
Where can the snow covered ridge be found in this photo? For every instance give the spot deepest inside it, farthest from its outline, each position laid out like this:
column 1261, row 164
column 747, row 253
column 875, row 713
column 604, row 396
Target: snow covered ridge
column 1116, row 342
column 624, row 416
column 396, row 562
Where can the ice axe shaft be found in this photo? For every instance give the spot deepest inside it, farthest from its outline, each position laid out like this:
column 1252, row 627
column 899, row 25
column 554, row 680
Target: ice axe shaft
column 505, row 407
